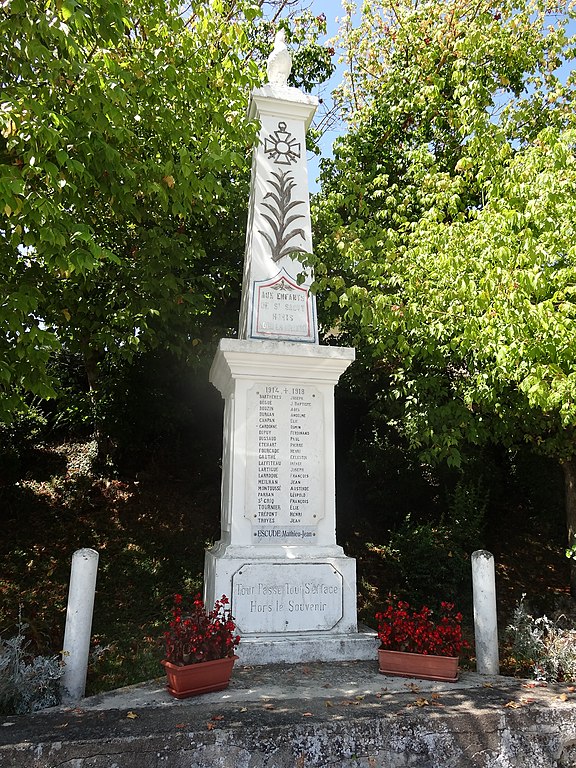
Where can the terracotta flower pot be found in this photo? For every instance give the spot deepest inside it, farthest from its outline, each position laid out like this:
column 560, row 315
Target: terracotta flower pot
column 425, row 667
column 204, row 677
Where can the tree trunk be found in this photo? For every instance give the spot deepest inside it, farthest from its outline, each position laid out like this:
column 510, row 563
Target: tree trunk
column 569, row 468
column 91, row 358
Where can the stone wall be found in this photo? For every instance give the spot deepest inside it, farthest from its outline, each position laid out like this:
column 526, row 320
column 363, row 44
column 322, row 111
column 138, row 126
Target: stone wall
column 492, row 727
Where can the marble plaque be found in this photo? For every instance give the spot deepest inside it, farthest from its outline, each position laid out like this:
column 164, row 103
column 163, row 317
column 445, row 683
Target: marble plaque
column 284, row 310
column 284, row 467
column 286, row 597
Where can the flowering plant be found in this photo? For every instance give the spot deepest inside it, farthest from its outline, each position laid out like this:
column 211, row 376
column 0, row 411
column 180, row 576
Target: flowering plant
column 401, row 628
column 196, row 635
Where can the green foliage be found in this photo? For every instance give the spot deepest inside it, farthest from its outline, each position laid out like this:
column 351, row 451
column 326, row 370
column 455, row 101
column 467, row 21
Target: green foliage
column 15, row 438
column 27, row 683
column 447, row 223
column 434, row 557
column 124, row 160
column 122, row 131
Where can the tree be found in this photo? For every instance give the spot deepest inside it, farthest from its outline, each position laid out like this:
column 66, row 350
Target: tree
column 447, row 218
column 120, row 123
column 125, row 168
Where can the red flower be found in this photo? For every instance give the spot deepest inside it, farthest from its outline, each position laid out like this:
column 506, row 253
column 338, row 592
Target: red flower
column 400, row 628
column 196, row 635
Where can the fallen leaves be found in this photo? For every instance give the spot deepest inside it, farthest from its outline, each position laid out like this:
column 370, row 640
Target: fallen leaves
column 131, row 715
column 211, row 724
column 381, row 692
column 522, row 701
column 433, row 701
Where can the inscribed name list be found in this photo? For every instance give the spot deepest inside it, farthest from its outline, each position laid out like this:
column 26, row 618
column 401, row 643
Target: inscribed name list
column 284, row 468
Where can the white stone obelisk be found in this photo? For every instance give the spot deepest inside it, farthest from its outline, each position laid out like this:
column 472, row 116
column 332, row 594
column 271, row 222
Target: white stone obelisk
column 276, row 300
column 292, row 588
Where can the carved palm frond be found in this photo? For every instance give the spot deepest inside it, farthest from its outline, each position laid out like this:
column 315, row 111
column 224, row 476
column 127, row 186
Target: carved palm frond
column 278, row 201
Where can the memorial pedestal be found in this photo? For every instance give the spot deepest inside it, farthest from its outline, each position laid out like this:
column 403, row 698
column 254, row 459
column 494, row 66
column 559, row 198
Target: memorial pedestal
column 292, row 588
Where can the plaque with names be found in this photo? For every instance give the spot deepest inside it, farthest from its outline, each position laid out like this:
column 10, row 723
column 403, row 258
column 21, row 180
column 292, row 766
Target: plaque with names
column 287, row 597
column 284, row 467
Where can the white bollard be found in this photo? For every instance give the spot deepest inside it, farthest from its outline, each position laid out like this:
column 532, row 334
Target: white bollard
column 485, row 619
column 79, row 623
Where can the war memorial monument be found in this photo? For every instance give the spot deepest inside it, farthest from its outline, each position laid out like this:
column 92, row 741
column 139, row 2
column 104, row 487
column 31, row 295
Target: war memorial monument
column 291, row 587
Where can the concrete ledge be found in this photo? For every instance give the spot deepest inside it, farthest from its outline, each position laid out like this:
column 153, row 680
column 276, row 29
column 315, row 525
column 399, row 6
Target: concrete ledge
column 317, row 715
column 308, row 646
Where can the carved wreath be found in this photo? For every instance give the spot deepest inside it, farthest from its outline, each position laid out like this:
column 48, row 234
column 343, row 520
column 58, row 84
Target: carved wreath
column 280, row 217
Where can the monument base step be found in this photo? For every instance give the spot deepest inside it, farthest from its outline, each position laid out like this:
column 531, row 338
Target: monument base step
column 296, row 648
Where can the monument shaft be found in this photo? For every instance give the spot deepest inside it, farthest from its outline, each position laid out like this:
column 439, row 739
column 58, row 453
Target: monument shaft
column 276, row 298
column 292, row 588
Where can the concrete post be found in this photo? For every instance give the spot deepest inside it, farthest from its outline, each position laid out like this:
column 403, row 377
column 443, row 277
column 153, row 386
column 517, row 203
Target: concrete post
column 485, row 620
column 79, row 623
